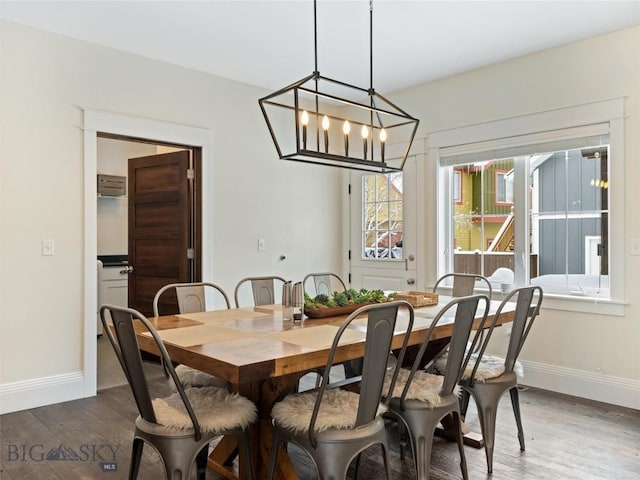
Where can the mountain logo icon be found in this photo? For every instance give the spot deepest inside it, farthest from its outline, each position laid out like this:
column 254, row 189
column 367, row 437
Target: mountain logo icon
column 62, row 453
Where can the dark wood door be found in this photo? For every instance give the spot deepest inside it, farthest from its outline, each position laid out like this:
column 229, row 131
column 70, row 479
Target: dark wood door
column 162, row 225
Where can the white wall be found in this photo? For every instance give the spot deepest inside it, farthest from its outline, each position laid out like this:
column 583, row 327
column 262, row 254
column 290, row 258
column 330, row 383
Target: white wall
column 590, row 355
column 112, row 212
column 46, row 80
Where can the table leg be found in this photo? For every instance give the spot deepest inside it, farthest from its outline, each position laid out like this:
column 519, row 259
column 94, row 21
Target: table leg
column 471, row 439
column 264, row 394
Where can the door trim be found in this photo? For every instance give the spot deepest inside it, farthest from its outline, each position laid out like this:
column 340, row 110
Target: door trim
column 130, row 126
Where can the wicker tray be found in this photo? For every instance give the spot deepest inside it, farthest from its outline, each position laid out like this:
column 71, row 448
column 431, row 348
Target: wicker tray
column 418, row 299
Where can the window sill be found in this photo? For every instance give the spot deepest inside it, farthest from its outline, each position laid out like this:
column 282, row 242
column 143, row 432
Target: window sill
column 590, row 305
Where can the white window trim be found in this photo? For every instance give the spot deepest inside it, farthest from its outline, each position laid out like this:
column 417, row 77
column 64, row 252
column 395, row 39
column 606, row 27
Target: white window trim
column 497, row 133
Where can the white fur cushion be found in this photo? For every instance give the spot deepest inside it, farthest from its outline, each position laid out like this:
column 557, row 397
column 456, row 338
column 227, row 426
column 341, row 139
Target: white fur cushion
column 216, row 409
column 190, row 377
column 337, row 410
column 425, row 387
column 491, row 366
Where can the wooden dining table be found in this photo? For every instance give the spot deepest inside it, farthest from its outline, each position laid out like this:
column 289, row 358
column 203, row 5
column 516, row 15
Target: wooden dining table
column 263, row 357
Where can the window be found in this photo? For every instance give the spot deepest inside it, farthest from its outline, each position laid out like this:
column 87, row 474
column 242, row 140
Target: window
column 382, row 216
column 567, row 196
column 457, row 186
column 504, row 187
column 537, row 208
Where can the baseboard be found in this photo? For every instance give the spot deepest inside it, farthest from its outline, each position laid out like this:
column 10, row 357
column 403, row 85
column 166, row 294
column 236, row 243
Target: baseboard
column 579, row 383
column 41, row 391
column 599, row 387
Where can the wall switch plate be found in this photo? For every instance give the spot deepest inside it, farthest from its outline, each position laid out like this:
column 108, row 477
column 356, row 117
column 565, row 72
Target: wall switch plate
column 635, row 246
column 261, row 244
column 48, row 247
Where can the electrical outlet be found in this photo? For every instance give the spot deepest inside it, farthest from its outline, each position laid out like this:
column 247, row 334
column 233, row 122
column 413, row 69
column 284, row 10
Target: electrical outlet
column 261, row 244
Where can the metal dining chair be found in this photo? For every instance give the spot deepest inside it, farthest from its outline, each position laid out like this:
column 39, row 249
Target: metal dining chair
column 324, row 283
column 492, row 376
column 420, row 400
column 333, row 426
column 190, row 298
column 463, row 284
column 263, row 289
column 178, row 427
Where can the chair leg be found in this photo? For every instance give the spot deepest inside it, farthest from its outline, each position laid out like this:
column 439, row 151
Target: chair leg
column 387, row 460
column 201, row 462
column 515, row 403
column 275, row 448
column 463, row 460
column 402, row 437
column 136, row 457
column 421, row 436
column 464, row 403
column 355, row 473
column 245, row 454
column 487, row 402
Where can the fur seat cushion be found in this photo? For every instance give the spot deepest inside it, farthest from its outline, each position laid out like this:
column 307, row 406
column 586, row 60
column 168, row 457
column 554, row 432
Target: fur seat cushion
column 216, row 409
column 337, row 411
column 425, row 386
column 190, row 377
column 491, row 366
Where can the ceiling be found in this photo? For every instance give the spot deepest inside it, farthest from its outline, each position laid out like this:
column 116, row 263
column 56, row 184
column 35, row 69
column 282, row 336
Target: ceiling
column 270, row 43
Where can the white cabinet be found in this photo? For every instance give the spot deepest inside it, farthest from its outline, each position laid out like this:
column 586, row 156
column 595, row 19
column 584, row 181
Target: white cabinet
column 114, row 286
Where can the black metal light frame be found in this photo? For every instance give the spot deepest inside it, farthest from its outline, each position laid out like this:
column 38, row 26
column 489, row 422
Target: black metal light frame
column 315, row 95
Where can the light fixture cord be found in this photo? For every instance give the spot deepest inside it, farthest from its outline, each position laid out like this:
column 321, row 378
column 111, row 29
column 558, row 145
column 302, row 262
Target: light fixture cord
column 370, row 47
column 315, row 36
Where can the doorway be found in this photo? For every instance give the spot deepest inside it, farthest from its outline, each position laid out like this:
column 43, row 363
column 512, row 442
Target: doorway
column 158, row 132
column 148, row 234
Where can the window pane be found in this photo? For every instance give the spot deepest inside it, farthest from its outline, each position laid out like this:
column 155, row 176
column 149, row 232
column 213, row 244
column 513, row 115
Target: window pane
column 569, row 221
column 382, row 216
column 483, row 227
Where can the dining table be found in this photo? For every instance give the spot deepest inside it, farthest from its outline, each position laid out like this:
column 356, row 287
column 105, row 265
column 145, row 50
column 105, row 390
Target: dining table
column 263, row 356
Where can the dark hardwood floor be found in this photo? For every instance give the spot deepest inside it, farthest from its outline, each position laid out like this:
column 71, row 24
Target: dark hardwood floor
column 566, row 438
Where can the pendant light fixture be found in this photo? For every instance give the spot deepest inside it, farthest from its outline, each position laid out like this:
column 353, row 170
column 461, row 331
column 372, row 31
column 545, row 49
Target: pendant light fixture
column 328, row 122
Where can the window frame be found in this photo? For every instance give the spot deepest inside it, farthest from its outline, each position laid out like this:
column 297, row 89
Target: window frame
column 544, row 127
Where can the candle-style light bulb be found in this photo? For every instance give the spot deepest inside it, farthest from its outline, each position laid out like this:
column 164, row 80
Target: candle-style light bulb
column 365, row 135
column 304, row 119
column 346, row 128
column 325, row 127
column 383, row 140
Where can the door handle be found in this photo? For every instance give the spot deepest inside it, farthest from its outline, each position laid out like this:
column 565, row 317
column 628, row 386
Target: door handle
column 410, row 258
column 411, row 281
column 127, row 269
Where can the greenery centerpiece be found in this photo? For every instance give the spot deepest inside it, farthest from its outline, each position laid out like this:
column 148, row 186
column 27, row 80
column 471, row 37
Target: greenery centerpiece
column 338, row 303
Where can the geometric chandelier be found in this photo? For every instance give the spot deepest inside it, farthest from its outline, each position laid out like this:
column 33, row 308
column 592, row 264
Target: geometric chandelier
column 323, row 121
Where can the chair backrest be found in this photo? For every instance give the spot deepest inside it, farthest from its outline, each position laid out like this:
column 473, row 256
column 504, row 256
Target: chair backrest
column 325, row 283
column 191, row 297
column 122, row 336
column 263, row 288
column 528, row 301
column 464, row 284
column 465, row 311
column 381, row 324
